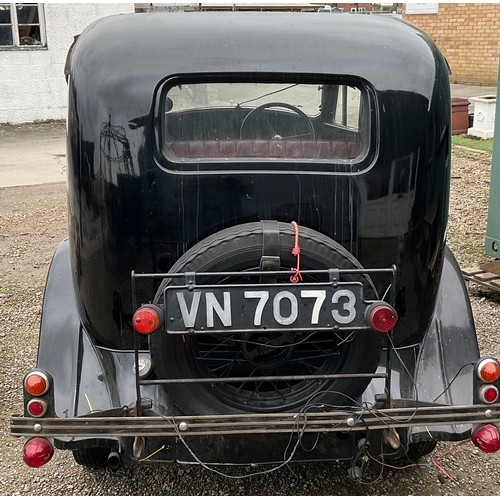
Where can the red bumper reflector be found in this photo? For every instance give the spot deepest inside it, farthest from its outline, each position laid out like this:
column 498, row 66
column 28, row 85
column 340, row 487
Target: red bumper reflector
column 487, row 438
column 147, row 319
column 383, row 318
column 488, row 394
column 37, row 452
column 36, row 407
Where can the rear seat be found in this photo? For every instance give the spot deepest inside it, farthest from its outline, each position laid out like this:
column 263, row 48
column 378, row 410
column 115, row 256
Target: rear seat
column 244, row 148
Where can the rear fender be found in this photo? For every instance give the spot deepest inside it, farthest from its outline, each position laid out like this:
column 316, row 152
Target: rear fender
column 449, row 350
column 87, row 377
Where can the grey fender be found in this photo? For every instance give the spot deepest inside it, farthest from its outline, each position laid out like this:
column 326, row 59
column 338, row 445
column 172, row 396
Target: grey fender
column 444, row 371
column 60, row 331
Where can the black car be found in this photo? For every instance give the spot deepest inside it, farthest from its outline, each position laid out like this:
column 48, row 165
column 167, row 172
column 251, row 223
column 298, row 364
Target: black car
column 256, row 270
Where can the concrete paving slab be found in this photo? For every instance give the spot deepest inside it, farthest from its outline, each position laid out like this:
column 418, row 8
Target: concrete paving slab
column 471, row 90
column 32, row 153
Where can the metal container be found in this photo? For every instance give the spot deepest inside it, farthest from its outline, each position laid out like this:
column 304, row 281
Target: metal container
column 492, row 245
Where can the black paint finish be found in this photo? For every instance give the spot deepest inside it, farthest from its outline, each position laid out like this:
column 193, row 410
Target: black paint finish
column 127, row 211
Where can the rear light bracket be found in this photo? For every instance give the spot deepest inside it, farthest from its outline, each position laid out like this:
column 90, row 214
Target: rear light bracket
column 47, row 397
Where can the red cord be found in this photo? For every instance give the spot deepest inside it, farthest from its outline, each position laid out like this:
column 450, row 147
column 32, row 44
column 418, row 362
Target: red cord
column 437, row 460
column 296, row 251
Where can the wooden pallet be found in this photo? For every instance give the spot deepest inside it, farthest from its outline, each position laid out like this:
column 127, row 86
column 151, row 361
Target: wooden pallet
column 484, row 276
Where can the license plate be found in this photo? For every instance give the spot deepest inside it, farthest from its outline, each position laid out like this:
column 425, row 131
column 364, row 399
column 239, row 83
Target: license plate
column 269, row 307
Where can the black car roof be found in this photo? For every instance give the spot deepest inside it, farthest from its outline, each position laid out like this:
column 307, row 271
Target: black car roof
column 389, row 53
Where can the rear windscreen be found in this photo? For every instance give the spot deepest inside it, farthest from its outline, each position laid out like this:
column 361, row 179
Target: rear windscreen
column 228, row 122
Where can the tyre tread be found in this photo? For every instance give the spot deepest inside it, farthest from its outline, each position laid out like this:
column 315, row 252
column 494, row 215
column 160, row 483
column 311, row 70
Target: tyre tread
column 238, row 248
column 95, row 458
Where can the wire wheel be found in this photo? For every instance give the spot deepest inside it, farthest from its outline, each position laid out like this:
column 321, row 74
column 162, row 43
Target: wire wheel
column 261, row 354
column 272, row 355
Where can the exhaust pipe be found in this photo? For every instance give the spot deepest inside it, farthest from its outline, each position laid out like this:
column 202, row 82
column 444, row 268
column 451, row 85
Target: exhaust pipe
column 114, row 459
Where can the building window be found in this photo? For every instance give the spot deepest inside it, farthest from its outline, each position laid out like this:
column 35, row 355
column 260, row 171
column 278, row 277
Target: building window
column 21, row 24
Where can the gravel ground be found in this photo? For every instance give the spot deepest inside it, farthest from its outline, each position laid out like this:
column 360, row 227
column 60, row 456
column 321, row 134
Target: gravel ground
column 33, row 222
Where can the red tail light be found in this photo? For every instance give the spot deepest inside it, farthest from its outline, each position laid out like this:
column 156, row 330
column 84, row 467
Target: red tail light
column 36, row 383
column 487, row 438
column 383, row 318
column 37, row 407
column 147, row 319
column 488, row 370
column 488, row 393
column 37, row 452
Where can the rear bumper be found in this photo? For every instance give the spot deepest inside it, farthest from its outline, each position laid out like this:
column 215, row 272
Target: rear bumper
column 249, row 439
column 118, row 423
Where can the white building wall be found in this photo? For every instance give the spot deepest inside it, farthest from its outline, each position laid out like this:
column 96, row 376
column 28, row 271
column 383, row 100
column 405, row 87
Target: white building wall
column 32, row 83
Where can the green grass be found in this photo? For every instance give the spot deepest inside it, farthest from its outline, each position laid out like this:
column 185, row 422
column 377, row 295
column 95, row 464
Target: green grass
column 469, row 142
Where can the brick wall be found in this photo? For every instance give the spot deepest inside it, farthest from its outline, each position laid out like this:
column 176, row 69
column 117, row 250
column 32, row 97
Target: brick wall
column 468, row 34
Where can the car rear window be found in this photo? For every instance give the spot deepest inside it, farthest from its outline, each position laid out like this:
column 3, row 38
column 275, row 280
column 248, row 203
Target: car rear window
column 220, row 124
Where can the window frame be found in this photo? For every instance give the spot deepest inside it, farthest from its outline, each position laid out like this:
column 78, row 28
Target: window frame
column 14, row 26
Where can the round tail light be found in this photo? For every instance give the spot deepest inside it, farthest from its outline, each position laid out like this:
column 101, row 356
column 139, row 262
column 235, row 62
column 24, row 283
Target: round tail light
column 37, row 452
column 383, row 318
column 147, row 319
column 37, row 407
column 488, row 370
column 36, row 383
column 487, row 438
column 488, row 393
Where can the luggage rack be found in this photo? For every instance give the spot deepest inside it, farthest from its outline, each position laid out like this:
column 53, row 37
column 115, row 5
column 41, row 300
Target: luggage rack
column 189, row 279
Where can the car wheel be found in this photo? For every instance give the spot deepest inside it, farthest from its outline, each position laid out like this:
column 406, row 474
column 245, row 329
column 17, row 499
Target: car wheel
column 238, row 355
column 95, row 458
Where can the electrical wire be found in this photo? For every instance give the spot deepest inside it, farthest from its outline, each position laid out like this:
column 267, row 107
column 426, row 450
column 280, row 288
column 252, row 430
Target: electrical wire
column 300, row 429
column 346, row 340
column 453, row 380
column 273, row 346
column 379, row 412
column 437, row 460
column 243, row 476
column 285, row 462
column 356, row 411
column 388, row 288
column 363, row 452
column 395, row 467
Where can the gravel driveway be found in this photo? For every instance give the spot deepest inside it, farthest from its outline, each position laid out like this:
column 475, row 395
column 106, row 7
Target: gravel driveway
column 33, row 222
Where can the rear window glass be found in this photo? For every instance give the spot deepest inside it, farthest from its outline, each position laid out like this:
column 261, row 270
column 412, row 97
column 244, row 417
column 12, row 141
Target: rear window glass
column 270, row 122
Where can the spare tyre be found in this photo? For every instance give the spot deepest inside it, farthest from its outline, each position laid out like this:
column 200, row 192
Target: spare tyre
column 239, row 248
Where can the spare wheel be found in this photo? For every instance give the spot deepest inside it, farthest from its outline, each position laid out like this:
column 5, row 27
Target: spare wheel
column 239, row 248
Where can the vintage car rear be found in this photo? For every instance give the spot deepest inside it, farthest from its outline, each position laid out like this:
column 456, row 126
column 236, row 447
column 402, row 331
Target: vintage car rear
column 256, row 270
